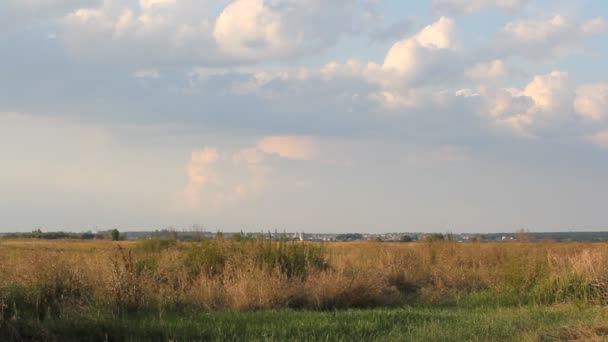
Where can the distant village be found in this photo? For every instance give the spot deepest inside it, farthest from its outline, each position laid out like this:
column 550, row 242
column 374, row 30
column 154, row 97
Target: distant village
column 200, row 234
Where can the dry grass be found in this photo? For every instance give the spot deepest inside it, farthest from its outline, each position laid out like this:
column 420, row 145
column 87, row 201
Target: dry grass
column 45, row 277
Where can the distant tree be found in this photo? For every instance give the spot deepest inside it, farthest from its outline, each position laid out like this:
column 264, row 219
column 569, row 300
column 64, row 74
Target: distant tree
column 37, row 234
column 349, row 237
column 434, row 237
column 449, row 236
column 87, row 236
column 406, row 238
column 115, row 235
column 521, row 235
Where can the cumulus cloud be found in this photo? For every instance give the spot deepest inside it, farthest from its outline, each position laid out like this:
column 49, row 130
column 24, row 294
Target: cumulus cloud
column 409, row 56
column 217, row 180
column 413, row 76
column 427, row 76
column 551, row 93
column 454, row 7
column 220, row 179
column 200, row 173
column 548, row 104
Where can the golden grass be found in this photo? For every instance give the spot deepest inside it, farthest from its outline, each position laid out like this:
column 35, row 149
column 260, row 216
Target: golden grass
column 46, row 276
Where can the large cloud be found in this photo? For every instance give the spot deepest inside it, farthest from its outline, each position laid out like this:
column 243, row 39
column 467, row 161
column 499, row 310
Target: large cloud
column 549, row 103
column 218, row 179
column 189, row 31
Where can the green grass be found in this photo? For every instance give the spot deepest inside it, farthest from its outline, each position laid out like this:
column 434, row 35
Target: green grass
column 409, row 323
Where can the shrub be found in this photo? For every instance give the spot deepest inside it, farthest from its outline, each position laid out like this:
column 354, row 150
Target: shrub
column 155, row 245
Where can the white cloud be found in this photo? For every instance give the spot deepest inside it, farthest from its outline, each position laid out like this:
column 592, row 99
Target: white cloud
column 217, row 180
column 200, row 174
column 546, row 103
column 592, row 101
column 409, row 55
column 413, row 75
column 551, row 93
column 470, row 6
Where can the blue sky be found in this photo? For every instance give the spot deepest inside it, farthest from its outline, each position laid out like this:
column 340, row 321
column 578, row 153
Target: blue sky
column 341, row 116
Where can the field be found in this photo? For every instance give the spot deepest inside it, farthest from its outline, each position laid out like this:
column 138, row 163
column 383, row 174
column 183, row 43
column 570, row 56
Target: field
column 261, row 290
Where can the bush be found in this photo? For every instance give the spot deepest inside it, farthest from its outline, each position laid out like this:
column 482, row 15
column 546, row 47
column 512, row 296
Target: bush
column 294, row 259
column 155, row 245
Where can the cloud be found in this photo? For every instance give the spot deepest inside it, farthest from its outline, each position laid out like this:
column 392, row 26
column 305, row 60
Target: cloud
column 200, row 174
column 276, row 29
column 552, row 104
column 455, row 7
column 491, row 71
column 546, row 103
column 551, row 93
column 592, row 101
column 291, row 147
column 218, row 180
column 152, row 32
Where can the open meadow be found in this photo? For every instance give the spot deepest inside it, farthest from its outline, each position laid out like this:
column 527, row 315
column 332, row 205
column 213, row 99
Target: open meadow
column 263, row 290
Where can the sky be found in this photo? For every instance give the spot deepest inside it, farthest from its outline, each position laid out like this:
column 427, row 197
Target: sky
column 304, row 115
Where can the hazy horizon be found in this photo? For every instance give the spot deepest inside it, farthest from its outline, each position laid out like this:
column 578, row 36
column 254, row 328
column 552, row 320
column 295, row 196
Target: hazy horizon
column 304, row 115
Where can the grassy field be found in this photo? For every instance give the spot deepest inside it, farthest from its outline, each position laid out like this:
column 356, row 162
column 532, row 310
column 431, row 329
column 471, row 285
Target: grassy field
column 530, row 323
column 261, row 290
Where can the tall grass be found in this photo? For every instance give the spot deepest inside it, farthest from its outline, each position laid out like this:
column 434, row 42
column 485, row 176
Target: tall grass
column 44, row 280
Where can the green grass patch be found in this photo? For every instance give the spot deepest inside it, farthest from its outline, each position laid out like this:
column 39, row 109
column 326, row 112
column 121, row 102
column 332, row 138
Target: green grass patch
column 409, row 323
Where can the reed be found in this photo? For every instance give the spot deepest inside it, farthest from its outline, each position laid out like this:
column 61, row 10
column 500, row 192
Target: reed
column 46, row 279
